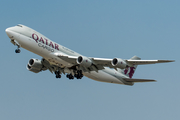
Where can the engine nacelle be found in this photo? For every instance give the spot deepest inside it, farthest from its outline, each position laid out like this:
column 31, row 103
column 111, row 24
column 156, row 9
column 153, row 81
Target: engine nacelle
column 119, row 63
column 34, row 65
column 84, row 61
column 32, row 69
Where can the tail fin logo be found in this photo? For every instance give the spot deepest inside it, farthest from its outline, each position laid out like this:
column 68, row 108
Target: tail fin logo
column 129, row 71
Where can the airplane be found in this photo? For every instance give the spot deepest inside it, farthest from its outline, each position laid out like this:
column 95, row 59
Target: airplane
column 61, row 60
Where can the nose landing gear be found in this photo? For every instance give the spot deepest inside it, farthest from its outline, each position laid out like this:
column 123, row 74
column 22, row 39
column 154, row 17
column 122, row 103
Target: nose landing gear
column 16, row 43
column 17, row 50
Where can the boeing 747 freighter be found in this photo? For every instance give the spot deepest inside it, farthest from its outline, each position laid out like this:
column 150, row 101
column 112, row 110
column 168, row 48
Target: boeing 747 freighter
column 61, row 60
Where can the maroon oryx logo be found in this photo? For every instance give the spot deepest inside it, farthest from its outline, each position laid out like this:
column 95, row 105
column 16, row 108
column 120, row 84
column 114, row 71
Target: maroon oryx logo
column 130, row 71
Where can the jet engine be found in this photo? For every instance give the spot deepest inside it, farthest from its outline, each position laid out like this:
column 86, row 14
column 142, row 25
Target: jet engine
column 119, row 63
column 34, row 65
column 84, row 61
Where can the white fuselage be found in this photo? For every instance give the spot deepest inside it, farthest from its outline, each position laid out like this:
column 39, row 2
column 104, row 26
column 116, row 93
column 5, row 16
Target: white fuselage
column 37, row 43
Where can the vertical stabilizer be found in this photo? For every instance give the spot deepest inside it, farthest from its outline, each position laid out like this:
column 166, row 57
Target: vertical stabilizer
column 129, row 72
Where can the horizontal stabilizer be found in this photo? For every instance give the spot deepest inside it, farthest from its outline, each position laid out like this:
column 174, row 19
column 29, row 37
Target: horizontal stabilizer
column 143, row 62
column 138, row 80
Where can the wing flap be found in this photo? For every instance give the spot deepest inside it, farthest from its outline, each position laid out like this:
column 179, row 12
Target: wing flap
column 70, row 59
column 67, row 58
column 102, row 61
column 138, row 80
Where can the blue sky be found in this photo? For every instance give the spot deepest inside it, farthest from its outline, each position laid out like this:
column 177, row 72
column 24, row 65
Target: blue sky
column 96, row 28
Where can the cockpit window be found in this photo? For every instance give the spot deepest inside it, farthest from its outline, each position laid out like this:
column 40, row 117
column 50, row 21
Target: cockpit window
column 19, row 25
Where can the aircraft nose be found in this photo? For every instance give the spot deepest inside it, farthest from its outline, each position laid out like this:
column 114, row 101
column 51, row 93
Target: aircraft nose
column 8, row 32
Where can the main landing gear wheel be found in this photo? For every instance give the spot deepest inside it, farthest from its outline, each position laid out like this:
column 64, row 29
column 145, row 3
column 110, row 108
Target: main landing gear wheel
column 78, row 75
column 58, row 76
column 70, row 76
column 57, row 73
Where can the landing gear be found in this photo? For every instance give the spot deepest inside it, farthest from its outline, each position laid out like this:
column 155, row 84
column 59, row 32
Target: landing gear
column 14, row 42
column 58, row 76
column 57, row 73
column 17, row 50
column 78, row 75
column 70, row 76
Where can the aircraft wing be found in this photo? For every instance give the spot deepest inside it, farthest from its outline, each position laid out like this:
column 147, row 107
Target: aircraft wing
column 100, row 63
column 143, row 62
column 138, row 80
column 107, row 62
